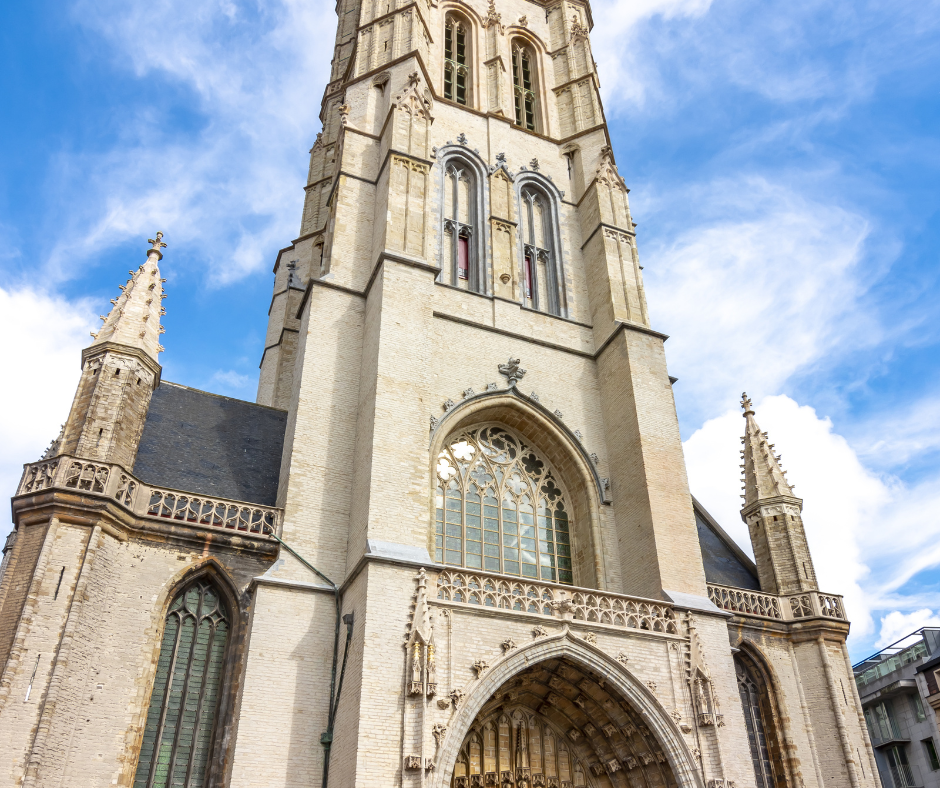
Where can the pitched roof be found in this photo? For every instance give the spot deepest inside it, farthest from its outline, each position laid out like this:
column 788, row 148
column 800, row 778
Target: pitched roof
column 205, row 443
column 725, row 563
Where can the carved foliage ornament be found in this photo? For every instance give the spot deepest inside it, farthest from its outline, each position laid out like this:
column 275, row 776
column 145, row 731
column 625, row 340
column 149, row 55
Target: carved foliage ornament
column 513, row 372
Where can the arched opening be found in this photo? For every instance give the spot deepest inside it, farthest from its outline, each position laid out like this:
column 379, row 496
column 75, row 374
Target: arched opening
column 501, row 507
column 458, row 70
column 182, row 716
column 560, row 724
column 760, row 720
column 462, row 234
column 525, row 85
column 541, row 274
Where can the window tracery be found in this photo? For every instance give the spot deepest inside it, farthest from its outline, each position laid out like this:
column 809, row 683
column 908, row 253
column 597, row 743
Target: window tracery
column 524, row 85
column 186, row 690
column 457, row 74
column 539, row 274
column 460, row 224
column 500, row 507
column 751, row 691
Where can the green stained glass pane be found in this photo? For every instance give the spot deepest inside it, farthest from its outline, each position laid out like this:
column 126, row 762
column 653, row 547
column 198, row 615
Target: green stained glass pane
column 439, row 556
column 453, row 530
column 492, row 550
column 529, row 570
column 475, row 534
column 454, row 517
column 562, row 549
column 491, row 536
column 452, row 544
column 185, row 693
column 511, row 567
column 473, row 547
column 472, row 508
column 452, row 557
column 473, row 561
column 491, row 564
column 473, row 522
column 564, row 563
column 564, row 576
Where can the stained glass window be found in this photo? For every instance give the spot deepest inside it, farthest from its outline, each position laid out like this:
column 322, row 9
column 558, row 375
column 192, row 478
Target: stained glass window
column 460, row 214
column 183, row 705
column 749, row 689
column 540, row 276
column 500, row 507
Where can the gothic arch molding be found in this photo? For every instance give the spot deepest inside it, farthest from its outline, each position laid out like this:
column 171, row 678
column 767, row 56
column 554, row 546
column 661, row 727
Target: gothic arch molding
column 559, row 446
column 531, row 182
column 566, row 646
column 776, row 726
column 222, row 740
column 446, row 155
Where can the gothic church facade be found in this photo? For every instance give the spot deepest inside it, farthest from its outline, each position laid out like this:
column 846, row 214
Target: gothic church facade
column 453, row 543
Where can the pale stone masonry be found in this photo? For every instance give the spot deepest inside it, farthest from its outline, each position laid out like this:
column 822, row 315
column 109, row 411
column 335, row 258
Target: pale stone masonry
column 453, row 543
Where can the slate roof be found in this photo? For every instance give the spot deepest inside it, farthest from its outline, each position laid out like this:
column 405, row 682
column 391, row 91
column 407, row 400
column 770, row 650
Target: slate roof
column 204, row 443
column 725, row 563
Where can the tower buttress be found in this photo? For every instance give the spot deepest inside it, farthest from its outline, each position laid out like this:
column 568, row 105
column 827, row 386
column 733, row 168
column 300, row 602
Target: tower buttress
column 119, row 371
column 773, row 515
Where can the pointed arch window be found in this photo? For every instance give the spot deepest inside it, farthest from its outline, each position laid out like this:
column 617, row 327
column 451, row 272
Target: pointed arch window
column 500, row 507
column 539, row 257
column 759, row 728
column 524, row 84
column 184, row 701
column 457, row 81
column 461, row 250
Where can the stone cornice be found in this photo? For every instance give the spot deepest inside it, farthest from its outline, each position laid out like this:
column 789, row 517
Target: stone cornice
column 127, row 350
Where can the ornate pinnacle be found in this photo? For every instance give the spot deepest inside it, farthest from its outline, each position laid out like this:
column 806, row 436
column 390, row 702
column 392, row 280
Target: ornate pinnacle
column 157, row 244
column 746, row 404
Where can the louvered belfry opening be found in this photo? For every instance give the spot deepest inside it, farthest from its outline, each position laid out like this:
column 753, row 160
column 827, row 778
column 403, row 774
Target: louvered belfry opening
column 557, row 725
column 177, row 740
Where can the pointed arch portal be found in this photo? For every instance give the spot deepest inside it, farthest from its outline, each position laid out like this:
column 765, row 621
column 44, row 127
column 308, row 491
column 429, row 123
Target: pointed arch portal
column 559, row 714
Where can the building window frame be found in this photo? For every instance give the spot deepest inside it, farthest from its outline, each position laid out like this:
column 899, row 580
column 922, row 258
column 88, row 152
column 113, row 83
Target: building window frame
column 458, row 59
column 192, row 668
column 540, row 258
column 525, row 85
column 463, row 241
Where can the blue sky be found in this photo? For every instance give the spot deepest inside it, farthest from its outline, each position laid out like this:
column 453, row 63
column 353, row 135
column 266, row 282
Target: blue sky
column 784, row 163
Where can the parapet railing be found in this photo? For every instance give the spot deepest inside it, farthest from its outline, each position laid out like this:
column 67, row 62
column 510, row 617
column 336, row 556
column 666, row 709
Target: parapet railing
column 572, row 604
column 114, row 482
column 809, row 604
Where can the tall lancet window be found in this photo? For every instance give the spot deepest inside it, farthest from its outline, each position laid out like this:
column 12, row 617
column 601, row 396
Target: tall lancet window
column 185, row 698
column 456, row 59
column 460, row 225
column 524, row 85
column 539, row 258
column 752, row 692
column 500, row 507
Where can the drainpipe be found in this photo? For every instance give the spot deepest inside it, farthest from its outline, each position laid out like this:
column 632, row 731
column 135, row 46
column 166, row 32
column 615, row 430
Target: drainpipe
column 326, row 738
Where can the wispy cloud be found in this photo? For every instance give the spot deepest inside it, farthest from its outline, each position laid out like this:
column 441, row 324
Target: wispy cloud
column 248, row 79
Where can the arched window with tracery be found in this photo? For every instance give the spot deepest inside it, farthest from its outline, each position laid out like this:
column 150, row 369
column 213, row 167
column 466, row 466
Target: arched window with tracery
column 500, row 507
column 184, row 702
column 539, row 255
column 461, row 230
column 759, row 722
column 525, row 85
column 457, row 70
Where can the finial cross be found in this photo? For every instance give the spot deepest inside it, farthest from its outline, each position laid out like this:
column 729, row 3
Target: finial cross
column 158, row 243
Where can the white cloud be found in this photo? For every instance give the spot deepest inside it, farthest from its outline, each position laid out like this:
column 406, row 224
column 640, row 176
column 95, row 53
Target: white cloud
column 228, row 380
column 896, row 625
column 748, row 291
column 43, row 338
column 225, row 183
column 868, row 533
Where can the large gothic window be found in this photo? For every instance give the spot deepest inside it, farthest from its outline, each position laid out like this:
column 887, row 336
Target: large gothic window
column 500, row 507
column 524, row 85
column 460, row 225
column 758, row 722
column 540, row 273
column 456, row 60
column 185, row 698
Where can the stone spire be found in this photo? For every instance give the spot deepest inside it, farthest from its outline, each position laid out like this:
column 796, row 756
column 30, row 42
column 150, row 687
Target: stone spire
column 762, row 475
column 773, row 515
column 134, row 319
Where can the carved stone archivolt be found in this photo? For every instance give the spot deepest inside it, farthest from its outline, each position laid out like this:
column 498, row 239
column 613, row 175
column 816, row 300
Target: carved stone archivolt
column 556, row 724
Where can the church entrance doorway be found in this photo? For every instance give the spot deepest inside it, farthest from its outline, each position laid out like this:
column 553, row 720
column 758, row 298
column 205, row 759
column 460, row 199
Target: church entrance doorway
column 558, row 725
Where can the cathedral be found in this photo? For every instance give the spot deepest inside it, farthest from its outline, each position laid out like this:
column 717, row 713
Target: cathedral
column 452, row 544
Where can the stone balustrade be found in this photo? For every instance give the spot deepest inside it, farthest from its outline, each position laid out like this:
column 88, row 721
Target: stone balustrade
column 556, row 601
column 144, row 500
column 809, row 604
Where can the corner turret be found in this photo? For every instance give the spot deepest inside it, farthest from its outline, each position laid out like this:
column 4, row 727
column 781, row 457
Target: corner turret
column 773, row 515
column 119, row 371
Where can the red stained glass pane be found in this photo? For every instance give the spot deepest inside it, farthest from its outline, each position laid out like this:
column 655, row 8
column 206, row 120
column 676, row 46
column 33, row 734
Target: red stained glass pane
column 528, row 276
column 463, row 258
